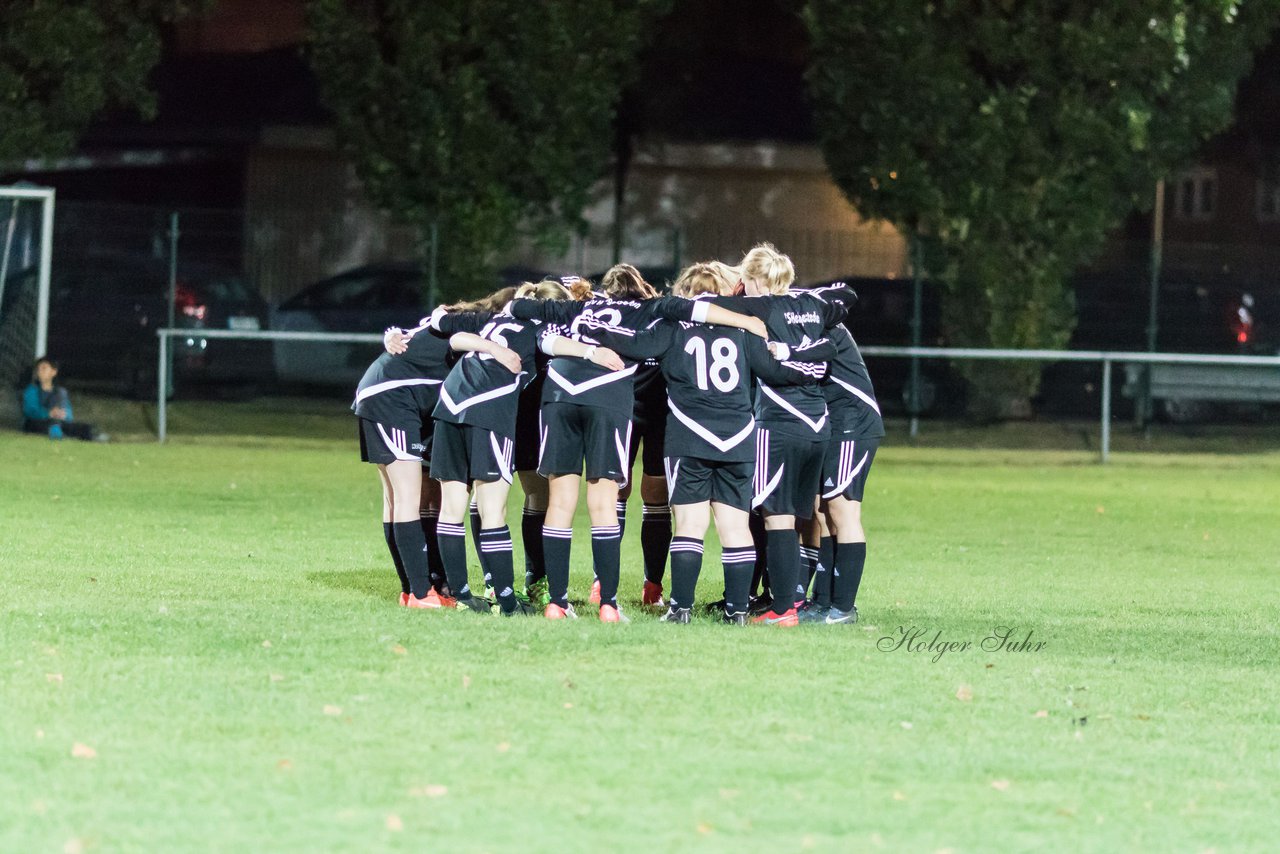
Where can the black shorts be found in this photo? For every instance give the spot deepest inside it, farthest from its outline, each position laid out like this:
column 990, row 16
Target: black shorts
column 648, row 435
column 382, row 444
column 464, row 453
column 845, row 466
column 788, row 473
column 573, row 434
column 692, row 480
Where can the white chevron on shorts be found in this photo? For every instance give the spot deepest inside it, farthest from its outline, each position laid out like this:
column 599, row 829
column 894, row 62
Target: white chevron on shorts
column 502, row 456
column 396, row 443
column 846, row 470
column 763, row 488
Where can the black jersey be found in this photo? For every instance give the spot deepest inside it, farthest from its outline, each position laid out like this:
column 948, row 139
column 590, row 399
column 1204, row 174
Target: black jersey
column 850, row 398
column 480, row 390
column 410, row 380
column 708, row 370
column 580, row 381
column 799, row 320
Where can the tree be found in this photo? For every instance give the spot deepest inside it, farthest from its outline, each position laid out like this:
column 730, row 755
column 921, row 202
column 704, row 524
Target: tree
column 1013, row 135
column 477, row 119
column 62, row 64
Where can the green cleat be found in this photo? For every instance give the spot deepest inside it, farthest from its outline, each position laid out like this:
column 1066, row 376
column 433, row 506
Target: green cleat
column 538, row 594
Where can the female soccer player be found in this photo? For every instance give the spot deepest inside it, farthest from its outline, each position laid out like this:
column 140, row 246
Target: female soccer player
column 710, row 450
column 393, row 402
column 793, row 420
column 586, row 418
column 856, row 431
column 525, row 461
column 474, row 440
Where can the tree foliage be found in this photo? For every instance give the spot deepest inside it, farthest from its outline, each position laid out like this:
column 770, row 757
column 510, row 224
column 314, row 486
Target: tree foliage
column 480, row 118
column 63, row 63
column 1014, row 135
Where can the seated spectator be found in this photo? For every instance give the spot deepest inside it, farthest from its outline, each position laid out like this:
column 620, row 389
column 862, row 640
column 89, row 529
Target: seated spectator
column 46, row 408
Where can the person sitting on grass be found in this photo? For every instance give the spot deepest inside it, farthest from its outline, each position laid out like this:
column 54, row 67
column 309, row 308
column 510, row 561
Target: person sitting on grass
column 46, row 408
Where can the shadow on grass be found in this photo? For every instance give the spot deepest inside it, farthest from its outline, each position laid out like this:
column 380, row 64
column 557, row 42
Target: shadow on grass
column 374, row 583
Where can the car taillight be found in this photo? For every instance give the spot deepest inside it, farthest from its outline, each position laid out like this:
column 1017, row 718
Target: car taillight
column 185, row 299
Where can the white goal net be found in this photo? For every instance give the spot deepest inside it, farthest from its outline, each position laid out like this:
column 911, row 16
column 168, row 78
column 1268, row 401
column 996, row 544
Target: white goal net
column 26, row 241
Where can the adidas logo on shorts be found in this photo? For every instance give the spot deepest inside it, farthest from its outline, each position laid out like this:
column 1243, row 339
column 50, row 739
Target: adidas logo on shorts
column 829, row 483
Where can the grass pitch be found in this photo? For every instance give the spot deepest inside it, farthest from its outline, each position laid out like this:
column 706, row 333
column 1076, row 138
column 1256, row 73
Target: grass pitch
column 201, row 651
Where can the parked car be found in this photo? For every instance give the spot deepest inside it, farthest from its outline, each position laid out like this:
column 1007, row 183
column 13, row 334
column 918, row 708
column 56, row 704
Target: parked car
column 364, row 299
column 104, row 309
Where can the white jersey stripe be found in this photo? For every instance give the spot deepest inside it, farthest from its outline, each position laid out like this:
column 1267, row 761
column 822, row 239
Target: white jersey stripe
column 595, row 382
column 378, row 388
column 455, row 408
column 857, row 392
column 816, row 426
column 724, row 445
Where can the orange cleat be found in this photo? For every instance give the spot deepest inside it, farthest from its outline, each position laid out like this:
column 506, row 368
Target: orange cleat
column 432, row 601
column 594, row 598
column 652, row 595
column 610, row 614
column 404, row 600
column 769, row 618
column 555, row 612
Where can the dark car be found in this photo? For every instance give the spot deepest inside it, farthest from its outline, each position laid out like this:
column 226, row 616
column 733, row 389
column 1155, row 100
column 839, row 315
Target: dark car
column 104, row 310
column 365, row 299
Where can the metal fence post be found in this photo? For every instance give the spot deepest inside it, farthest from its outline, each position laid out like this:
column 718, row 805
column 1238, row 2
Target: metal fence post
column 1106, row 410
column 162, row 384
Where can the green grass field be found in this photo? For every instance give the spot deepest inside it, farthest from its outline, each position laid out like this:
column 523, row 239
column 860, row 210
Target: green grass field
column 201, row 651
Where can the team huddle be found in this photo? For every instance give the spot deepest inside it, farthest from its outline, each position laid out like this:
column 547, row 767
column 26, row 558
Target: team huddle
column 744, row 399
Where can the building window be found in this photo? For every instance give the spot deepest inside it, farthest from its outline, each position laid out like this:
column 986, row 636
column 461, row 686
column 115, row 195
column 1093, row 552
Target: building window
column 1268, row 196
column 1197, row 194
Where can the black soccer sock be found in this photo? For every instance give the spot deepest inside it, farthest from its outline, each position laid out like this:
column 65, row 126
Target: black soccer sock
column 822, row 578
column 850, row 559
column 621, row 507
column 606, row 551
column 452, row 539
column 535, row 564
column 411, row 546
column 738, row 565
column 686, row 563
column 557, row 543
column 389, row 533
column 809, row 566
column 495, row 558
column 475, row 525
column 655, row 539
column 429, row 519
column 784, row 567
column 760, row 572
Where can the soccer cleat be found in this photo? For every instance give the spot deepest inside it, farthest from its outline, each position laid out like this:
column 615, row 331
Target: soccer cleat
column 812, row 613
column 424, row 603
column 404, row 600
column 836, row 616
column 522, row 609
column 538, row 593
column 735, row 618
column 475, row 603
column 490, row 593
column 716, row 607
column 555, row 612
column 439, row 600
column 652, row 595
column 769, row 618
column 611, row 614
column 676, row 615
column 759, row 604
column 594, row 598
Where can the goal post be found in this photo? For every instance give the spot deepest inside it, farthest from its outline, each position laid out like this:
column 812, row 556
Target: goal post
column 26, row 263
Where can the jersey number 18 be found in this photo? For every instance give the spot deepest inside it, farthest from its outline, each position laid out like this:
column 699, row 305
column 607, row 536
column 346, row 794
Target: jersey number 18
column 723, row 370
